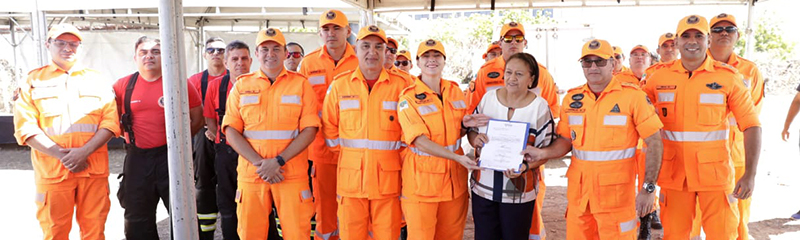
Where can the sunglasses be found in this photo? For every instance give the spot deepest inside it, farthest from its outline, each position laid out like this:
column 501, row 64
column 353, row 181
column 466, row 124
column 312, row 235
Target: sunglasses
column 215, row 50
column 729, row 29
column 392, row 50
column 619, row 57
column 599, row 62
column 517, row 38
column 404, row 63
column 294, row 55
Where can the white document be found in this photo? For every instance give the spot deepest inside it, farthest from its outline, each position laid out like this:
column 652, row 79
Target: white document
column 506, row 140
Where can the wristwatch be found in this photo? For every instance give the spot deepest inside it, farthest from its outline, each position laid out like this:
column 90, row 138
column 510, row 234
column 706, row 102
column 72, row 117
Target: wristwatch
column 280, row 160
column 649, row 187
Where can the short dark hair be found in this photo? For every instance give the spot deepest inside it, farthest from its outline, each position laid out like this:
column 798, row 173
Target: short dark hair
column 144, row 39
column 302, row 51
column 214, row 39
column 236, row 44
column 533, row 66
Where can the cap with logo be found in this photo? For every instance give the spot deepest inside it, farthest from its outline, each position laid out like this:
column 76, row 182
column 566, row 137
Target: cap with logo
column 404, row 53
column 270, row 34
column 490, row 48
column 371, row 30
column 391, row 40
column 431, row 45
column 665, row 37
column 642, row 47
column 722, row 17
column 696, row 22
column 597, row 47
column 59, row 29
column 511, row 26
column 617, row 50
column 335, row 17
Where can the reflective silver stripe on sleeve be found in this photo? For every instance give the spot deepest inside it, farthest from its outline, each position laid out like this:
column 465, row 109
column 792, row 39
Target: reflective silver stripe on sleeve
column 575, row 120
column 615, row 120
column 349, row 104
column 427, row 109
column 628, row 226
column 677, row 136
column 451, row 148
column 332, row 142
column 317, row 80
column 290, row 99
column 732, row 121
column 74, row 128
column 248, row 99
column 747, row 83
column 712, row 98
column 599, row 156
column 270, row 134
column 371, row 144
column 534, row 237
column 666, row 97
column 390, row 105
column 459, row 104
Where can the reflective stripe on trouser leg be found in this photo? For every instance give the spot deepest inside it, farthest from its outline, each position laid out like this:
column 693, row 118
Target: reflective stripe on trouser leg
column 582, row 224
column 207, row 221
column 324, row 181
column 294, row 202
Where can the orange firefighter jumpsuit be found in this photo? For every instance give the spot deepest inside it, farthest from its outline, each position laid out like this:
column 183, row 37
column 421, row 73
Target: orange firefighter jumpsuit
column 434, row 196
column 320, row 68
column 604, row 130
column 69, row 108
column 696, row 167
column 362, row 127
column 269, row 116
column 490, row 77
column 754, row 83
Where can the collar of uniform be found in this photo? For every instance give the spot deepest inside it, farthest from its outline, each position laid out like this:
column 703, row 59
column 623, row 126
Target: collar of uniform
column 357, row 75
column 708, row 65
column 613, row 85
column 421, row 87
column 732, row 60
column 260, row 74
column 77, row 67
column 348, row 51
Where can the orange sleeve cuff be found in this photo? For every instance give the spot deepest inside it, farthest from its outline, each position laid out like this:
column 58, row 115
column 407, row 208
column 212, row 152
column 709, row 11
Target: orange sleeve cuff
column 415, row 130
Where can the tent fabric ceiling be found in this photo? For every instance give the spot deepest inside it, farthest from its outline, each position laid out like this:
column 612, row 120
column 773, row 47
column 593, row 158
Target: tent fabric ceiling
column 466, row 5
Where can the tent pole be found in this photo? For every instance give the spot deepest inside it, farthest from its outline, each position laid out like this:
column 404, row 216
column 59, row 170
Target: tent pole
column 39, row 30
column 173, row 64
column 748, row 50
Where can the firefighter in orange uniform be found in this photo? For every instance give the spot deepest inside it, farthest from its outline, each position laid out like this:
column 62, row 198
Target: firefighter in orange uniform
column 391, row 58
column 361, row 127
column 492, row 52
column 666, row 50
column 724, row 34
column 602, row 124
column 66, row 113
column 490, row 76
column 403, row 61
column 693, row 96
column 270, row 120
column 639, row 61
column 432, row 116
column 619, row 57
column 320, row 67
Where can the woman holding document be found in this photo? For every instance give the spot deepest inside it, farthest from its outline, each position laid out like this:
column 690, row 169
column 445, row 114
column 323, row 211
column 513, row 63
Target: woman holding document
column 432, row 116
column 505, row 188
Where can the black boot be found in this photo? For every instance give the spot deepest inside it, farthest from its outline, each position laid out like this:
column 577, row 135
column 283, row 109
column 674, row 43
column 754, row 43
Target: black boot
column 644, row 228
column 655, row 221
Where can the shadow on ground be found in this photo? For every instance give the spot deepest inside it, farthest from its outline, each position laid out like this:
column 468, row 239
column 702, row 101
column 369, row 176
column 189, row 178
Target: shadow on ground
column 762, row 230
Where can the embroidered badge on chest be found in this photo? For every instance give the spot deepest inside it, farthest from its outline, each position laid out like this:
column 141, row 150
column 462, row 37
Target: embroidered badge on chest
column 714, row 86
column 615, row 109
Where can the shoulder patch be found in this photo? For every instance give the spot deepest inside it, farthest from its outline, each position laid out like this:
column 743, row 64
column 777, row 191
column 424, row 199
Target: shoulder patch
column 343, row 74
column 722, row 65
column 36, row 69
column 402, row 105
column 493, row 74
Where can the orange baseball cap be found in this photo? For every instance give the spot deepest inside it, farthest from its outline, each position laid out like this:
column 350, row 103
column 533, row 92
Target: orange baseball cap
column 597, row 47
column 511, row 26
column 333, row 17
column 617, row 50
column 722, row 17
column 391, row 40
column 270, row 34
column 404, row 53
column 371, row 30
column 490, row 48
column 665, row 37
column 696, row 22
column 640, row 47
column 59, row 29
column 430, row 45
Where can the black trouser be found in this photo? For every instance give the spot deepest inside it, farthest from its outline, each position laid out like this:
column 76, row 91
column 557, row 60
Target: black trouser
column 145, row 180
column 226, row 162
column 495, row 220
column 205, row 183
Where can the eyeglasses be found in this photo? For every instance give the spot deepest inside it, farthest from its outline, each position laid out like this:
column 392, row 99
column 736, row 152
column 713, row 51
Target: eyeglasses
column 516, row 38
column 294, row 55
column 599, row 62
column 217, row 50
column 392, row 50
column 729, row 29
column 619, row 57
column 404, row 63
column 61, row 43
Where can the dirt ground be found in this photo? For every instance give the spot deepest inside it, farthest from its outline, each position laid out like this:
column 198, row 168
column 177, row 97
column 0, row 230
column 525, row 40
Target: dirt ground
column 775, row 198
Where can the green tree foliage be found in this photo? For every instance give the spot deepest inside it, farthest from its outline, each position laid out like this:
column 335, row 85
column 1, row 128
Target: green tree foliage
column 768, row 38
